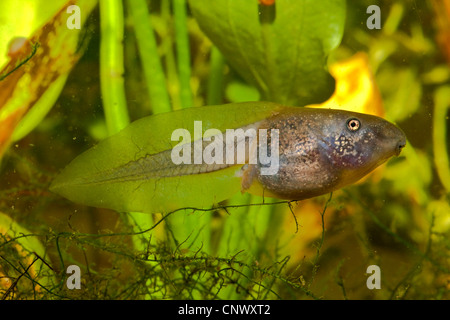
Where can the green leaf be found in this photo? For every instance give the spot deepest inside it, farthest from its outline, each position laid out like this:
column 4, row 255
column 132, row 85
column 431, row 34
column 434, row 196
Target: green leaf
column 280, row 49
column 96, row 177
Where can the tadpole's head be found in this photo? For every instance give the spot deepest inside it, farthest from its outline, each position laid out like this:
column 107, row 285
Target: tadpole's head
column 356, row 143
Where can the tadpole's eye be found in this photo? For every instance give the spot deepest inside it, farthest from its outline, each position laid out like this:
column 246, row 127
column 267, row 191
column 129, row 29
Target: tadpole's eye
column 353, row 124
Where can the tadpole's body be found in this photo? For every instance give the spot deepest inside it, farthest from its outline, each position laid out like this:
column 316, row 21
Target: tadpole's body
column 319, row 151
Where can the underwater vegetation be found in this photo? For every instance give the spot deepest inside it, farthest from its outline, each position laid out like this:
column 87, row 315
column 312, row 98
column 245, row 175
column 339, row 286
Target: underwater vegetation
column 77, row 73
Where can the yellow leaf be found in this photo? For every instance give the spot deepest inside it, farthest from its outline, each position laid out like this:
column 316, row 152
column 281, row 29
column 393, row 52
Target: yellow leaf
column 37, row 68
column 356, row 89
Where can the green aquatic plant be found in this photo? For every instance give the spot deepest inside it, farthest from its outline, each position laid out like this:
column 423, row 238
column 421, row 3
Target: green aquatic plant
column 170, row 58
column 23, row 255
column 281, row 49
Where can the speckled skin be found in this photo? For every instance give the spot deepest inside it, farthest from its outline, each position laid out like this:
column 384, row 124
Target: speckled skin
column 319, row 152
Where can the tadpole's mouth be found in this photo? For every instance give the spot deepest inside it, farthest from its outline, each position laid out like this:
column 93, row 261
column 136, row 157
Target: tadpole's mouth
column 400, row 145
column 397, row 138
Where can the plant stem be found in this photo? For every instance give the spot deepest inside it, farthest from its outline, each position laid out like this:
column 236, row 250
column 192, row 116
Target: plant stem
column 267, row 16
column 183, row 52
column 113, row 90
column 111, row 65
column 441, row 160
column 166, row 50
column 215, row 81
column 148, row 51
